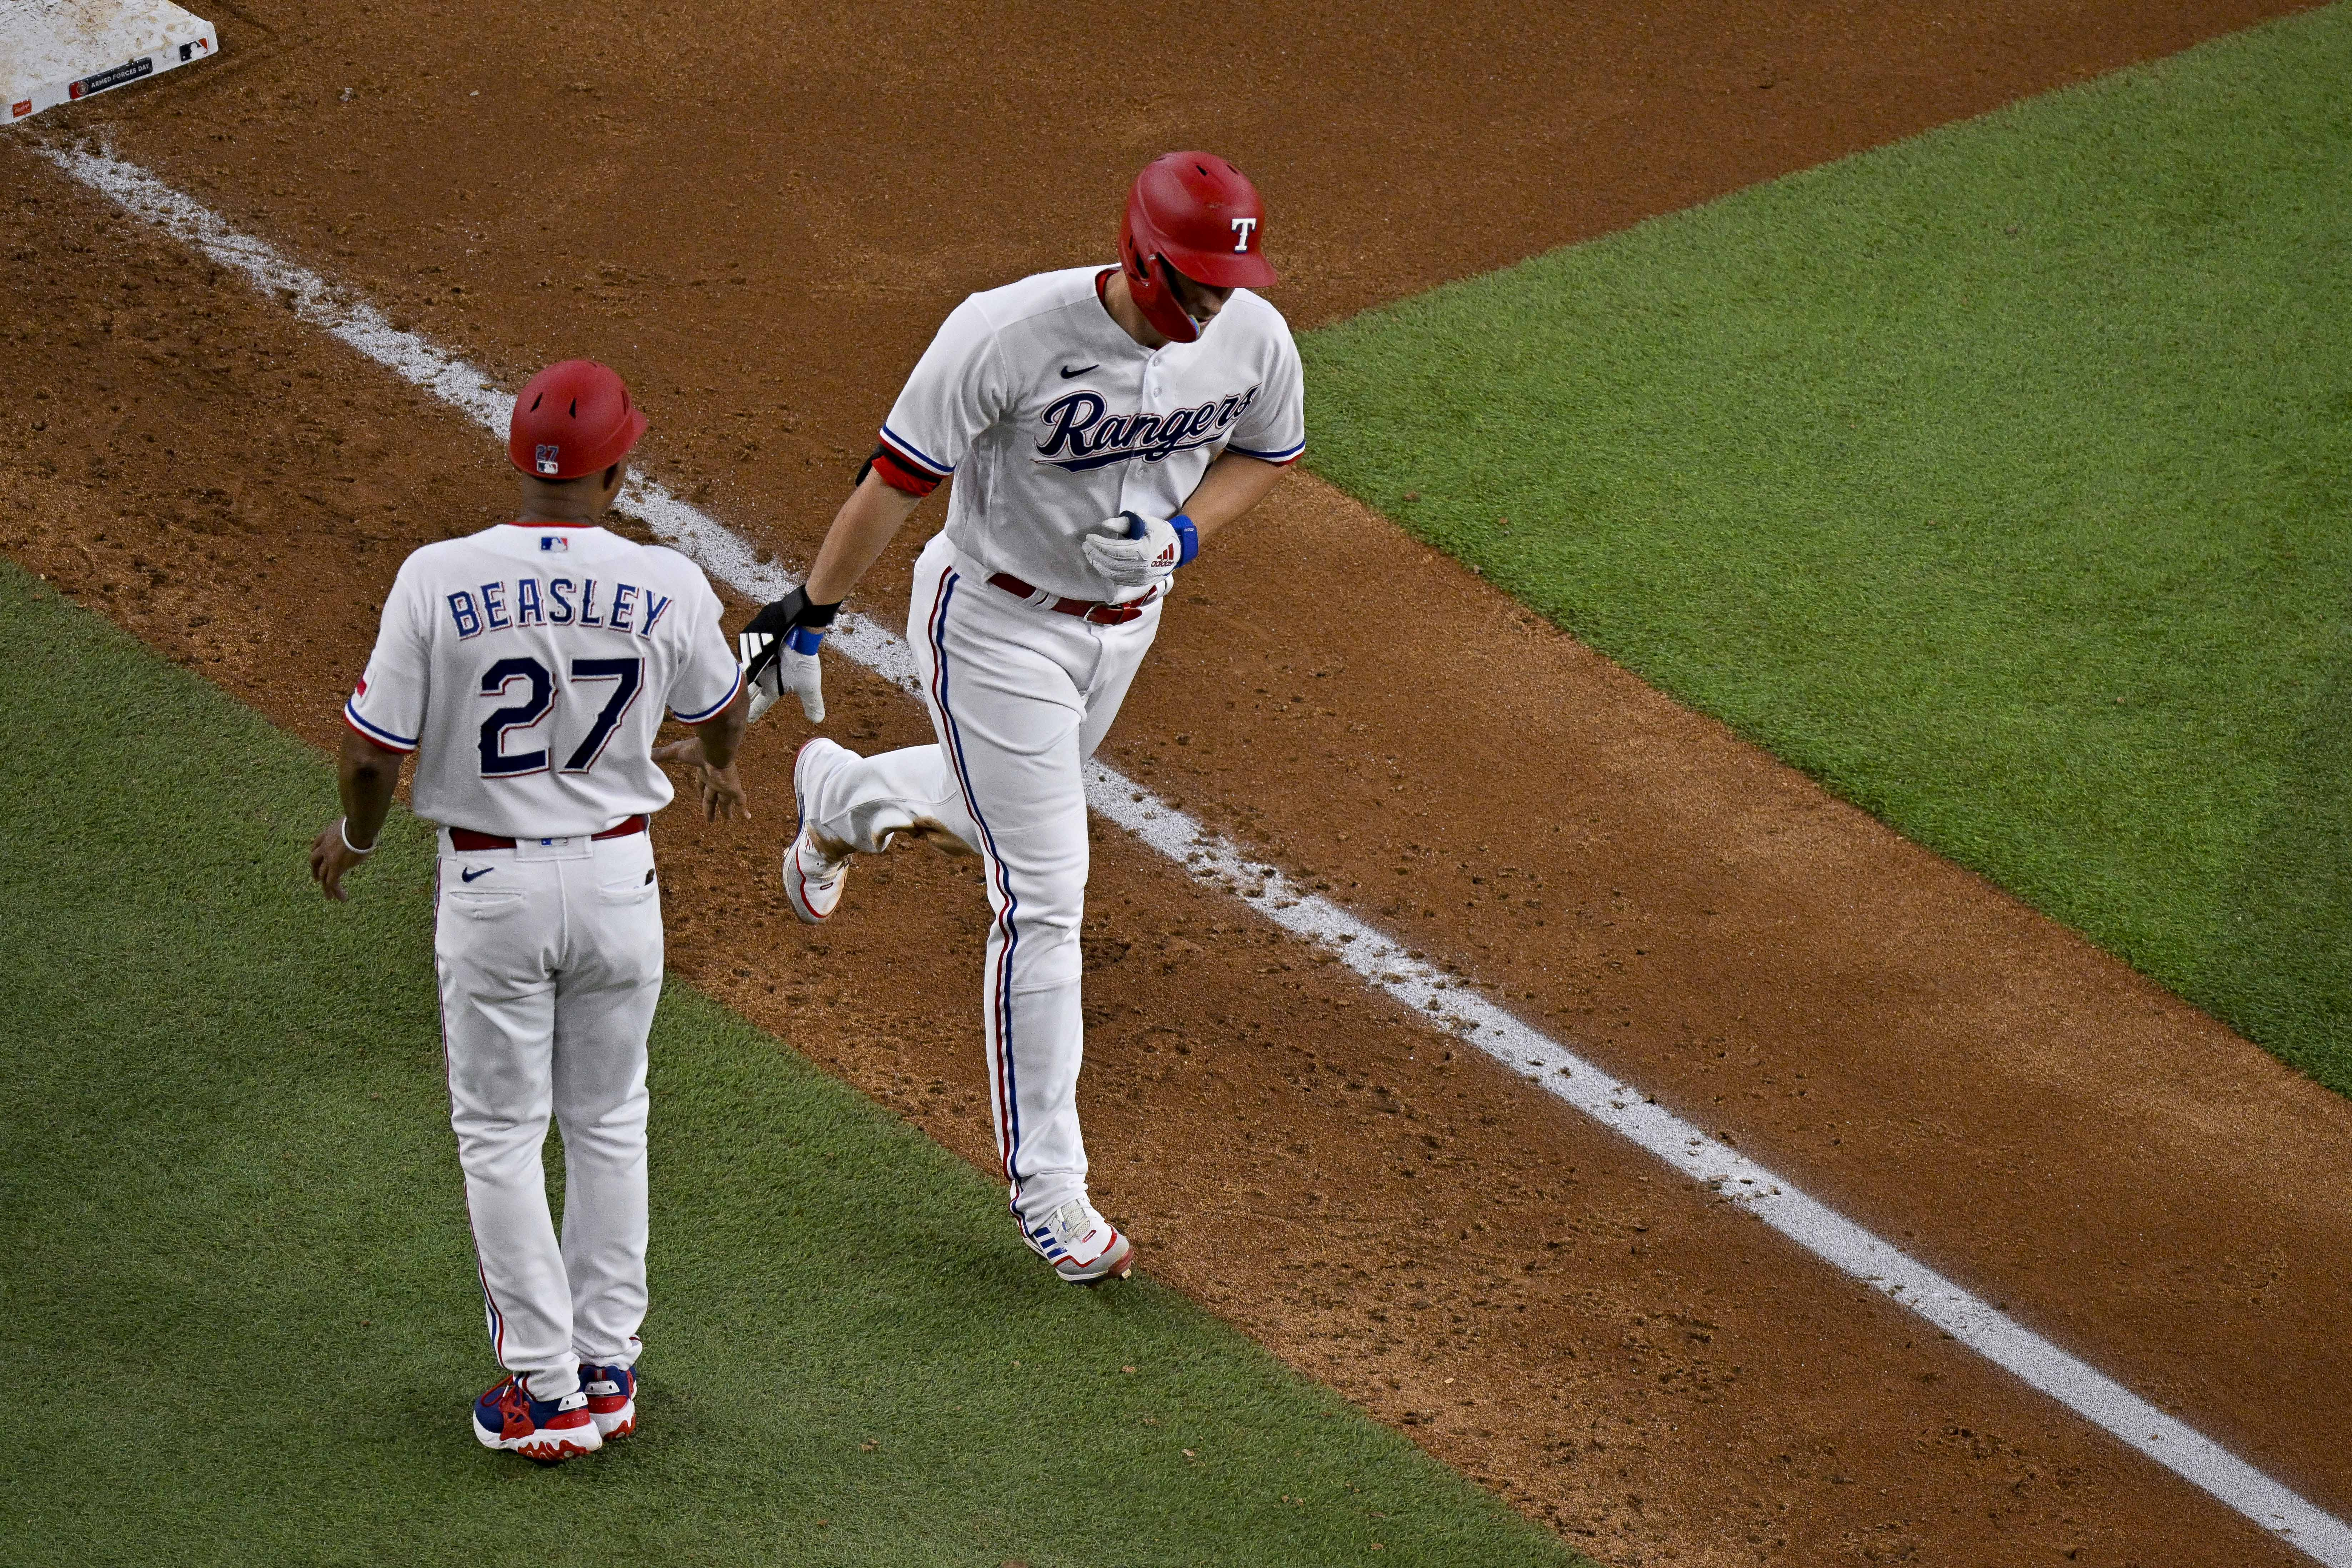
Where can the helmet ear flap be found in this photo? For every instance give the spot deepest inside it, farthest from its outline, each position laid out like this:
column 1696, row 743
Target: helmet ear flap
column 1147, row 276
column 1175, row 323
column 1155, row 296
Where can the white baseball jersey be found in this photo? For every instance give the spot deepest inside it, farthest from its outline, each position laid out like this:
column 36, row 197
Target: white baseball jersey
column 530, row 665
column 1053, row 418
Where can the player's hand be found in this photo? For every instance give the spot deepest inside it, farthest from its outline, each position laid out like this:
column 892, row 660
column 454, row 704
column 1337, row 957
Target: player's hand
column 723, row 798
column 1136, row 551
column 330, row 859
column 778, row 651
column 773, row 666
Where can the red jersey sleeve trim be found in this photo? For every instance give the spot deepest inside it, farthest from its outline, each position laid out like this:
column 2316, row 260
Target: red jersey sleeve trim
column 1280, row 459
column 900, row 474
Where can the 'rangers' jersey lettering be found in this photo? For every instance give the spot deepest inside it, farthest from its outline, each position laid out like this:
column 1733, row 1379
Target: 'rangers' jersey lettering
column 1053, row 418
column 529, row 665
column 1079, row 436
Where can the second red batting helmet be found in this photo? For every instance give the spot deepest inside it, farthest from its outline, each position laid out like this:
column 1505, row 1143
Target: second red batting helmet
column 1199, row 215
column 573, row 419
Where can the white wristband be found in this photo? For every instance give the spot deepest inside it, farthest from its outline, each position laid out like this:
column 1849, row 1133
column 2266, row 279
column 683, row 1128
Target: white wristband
column 344, row 831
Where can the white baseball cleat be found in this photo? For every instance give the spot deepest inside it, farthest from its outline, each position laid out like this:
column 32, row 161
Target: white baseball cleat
column 814, row 868
column 1082, row 1246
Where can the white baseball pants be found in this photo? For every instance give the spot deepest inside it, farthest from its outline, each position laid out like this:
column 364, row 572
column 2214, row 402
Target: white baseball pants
column 1020, row 697
column 550, row 957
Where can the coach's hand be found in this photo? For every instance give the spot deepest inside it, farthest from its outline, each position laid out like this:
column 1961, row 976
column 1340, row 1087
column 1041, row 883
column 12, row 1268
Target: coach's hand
column 1136, row 551
column 722, row 792
column 331, row 855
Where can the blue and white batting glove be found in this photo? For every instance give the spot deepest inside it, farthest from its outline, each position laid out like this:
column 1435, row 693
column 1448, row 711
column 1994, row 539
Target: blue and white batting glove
column 1141, row 551
column 793, row 667
column 778, row 653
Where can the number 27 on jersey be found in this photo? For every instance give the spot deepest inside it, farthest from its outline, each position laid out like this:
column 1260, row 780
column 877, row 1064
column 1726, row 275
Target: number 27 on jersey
column 529, row 692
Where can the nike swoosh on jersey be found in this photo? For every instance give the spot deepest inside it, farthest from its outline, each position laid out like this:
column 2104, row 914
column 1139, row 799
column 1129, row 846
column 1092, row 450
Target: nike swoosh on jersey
column 469, row 876
column 1067, row 371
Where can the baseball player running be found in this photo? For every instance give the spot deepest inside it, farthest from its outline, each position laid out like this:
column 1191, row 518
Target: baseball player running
column 528, row 667
column 1101, row 423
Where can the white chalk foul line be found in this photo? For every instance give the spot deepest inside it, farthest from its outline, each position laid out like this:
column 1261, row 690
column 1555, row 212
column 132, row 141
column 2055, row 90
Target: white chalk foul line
column 1384, row 963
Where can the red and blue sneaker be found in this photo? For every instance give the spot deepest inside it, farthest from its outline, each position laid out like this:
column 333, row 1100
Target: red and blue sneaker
column 612, row 1398
column 549, row 1430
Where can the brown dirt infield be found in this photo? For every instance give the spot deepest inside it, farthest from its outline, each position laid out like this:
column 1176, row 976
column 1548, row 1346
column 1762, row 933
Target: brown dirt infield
column 760, row 222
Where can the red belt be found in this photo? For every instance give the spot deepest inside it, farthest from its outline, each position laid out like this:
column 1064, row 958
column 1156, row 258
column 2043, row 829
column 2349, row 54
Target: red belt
column 1100, row 614
column 467, row 841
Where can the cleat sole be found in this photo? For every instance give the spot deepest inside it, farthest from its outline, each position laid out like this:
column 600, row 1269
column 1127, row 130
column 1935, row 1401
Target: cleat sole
column 543, row 1448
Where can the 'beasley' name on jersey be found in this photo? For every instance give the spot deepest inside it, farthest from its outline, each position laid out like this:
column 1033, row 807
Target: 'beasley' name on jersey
column 529, row 602
column 1076, row 425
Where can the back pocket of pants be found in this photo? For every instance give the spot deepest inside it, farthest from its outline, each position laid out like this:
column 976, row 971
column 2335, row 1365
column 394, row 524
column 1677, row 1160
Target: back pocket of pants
column 482, row 906
column 634, row 891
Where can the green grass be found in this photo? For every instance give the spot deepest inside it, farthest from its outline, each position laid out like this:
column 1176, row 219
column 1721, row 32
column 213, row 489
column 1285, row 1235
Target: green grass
column 2000, row 479
column 240, row 1285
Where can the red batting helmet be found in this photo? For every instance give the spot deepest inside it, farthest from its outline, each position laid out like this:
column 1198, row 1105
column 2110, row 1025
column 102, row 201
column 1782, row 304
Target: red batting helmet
column 573, row 419
column 1199, row 215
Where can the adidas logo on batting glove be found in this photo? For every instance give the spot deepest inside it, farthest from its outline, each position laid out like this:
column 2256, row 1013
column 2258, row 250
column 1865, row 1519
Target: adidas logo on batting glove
column 1141, row 551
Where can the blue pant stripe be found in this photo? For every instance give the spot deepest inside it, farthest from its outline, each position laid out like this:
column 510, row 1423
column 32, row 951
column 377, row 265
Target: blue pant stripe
column 1008, row 1083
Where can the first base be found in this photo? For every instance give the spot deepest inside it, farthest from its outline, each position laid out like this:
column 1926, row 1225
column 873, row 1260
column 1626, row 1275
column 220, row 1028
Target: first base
column 60, row 51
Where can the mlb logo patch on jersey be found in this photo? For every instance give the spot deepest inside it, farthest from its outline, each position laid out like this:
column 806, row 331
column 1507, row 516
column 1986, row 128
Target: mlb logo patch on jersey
column 548, row 460
column 553, row 542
